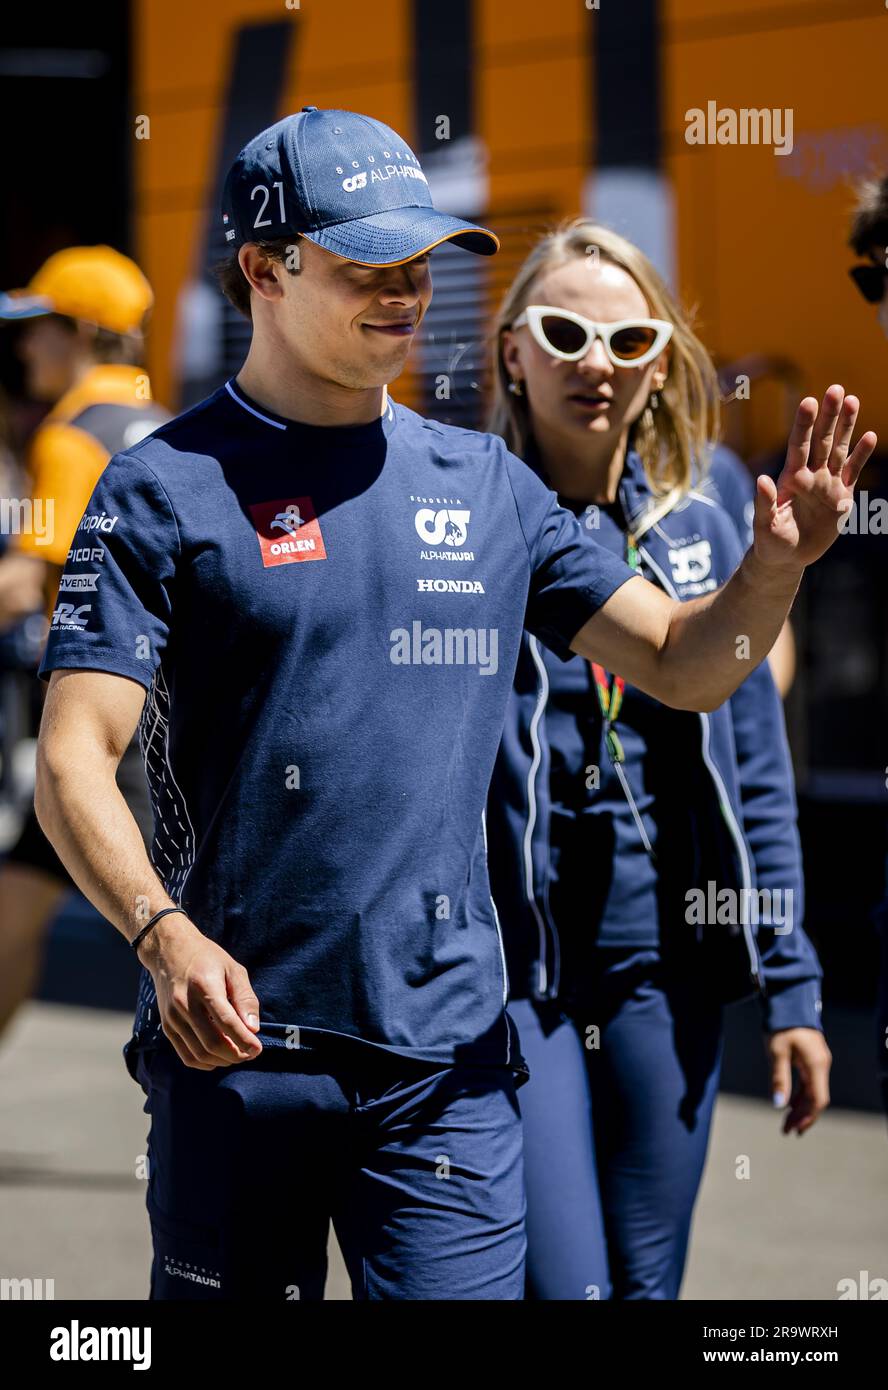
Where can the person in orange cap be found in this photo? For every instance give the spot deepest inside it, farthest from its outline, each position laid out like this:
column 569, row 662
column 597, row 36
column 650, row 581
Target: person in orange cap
column 82, row 344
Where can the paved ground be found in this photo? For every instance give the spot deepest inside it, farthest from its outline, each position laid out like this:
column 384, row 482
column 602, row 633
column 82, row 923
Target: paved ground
column 812, row 1211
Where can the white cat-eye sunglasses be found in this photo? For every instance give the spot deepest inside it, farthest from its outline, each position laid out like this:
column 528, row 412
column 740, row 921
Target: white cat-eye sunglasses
column 564, row 334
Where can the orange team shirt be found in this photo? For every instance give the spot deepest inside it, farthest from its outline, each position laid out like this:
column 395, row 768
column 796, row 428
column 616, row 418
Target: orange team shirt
column 108, row 410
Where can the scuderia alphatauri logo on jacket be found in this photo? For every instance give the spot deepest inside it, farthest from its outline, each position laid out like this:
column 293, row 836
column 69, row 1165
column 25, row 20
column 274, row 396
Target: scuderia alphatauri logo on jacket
column 691, row 562
column 442, row 523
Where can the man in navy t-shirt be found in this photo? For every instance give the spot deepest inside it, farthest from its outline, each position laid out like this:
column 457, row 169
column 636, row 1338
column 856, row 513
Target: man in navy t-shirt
column 310, row 600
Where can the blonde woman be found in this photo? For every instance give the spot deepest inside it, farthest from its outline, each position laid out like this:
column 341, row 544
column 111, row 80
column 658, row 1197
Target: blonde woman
column 626, row 837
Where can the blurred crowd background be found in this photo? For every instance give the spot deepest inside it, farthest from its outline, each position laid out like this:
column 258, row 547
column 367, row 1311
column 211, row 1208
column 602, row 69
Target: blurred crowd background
column 119, row 121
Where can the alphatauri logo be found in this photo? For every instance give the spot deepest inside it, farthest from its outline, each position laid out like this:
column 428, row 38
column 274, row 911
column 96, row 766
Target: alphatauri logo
column 442, row 525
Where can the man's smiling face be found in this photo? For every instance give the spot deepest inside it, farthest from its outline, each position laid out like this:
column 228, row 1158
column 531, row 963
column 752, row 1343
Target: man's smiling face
column 347, row 323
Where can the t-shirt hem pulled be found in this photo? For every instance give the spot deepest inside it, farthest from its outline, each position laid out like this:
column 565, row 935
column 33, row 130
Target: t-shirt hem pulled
column 323, row 1042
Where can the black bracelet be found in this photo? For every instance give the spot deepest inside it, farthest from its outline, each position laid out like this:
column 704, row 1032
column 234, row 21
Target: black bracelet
column 148, row 925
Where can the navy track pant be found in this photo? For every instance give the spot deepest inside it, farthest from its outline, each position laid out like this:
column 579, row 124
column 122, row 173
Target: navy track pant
column 615, row 1134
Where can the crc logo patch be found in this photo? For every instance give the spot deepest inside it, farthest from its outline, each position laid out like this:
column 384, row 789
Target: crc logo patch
column 71, row 619
column 288, row 531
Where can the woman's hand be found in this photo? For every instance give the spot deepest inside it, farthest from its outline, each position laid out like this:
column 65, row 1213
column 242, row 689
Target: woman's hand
column 799, row 517
column 806, row 1050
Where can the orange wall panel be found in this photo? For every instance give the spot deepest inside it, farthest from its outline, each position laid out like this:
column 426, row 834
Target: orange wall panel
column 761, row 237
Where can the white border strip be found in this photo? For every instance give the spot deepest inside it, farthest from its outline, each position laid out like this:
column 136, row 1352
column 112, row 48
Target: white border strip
column 259, row 416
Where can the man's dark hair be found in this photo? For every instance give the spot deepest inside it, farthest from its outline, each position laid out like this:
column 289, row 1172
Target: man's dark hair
column 869, row 227
column 235, row 285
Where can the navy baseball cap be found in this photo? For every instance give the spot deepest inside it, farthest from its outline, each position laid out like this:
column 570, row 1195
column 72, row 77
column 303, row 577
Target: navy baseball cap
column 346, row 182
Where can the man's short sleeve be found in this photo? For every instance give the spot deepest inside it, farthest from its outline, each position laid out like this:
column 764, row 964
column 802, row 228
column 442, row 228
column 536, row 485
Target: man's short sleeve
column 114, row 604
column 571, row 574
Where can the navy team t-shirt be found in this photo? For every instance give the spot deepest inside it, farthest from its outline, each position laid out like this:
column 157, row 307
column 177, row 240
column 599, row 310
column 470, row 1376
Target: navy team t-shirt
column 326, row 621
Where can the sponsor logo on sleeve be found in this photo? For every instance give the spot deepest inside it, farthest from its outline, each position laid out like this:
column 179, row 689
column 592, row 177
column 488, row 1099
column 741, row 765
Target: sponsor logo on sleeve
column 288, row 531
column 77, row 583
column 97, row 521
column 68, row 618
column 90, row 555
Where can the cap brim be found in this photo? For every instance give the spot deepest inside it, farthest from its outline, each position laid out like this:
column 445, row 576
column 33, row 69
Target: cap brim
column 19, row 305
column 400, row 234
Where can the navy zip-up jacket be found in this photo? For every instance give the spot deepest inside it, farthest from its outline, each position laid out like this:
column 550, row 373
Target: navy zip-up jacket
column 742, row 813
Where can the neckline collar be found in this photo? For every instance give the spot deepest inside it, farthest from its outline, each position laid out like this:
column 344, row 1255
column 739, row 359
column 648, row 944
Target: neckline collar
column 350, row 434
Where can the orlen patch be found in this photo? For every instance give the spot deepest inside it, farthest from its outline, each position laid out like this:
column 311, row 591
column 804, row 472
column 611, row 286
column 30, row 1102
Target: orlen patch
column 288, row 530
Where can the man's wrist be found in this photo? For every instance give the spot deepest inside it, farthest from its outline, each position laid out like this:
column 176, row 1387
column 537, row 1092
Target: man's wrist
column 152, row 945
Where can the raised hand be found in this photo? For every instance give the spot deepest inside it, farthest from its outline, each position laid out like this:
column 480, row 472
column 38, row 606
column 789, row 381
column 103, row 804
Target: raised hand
column 798, row 519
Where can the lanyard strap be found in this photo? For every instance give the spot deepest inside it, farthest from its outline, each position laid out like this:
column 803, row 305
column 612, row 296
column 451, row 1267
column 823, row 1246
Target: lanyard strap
column 610, row 699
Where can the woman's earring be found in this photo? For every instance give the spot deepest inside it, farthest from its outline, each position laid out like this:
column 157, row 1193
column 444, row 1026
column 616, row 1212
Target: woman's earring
column 516, row 386
column 654, row 400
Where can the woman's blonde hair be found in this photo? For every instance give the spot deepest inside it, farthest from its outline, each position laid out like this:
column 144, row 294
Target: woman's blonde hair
column 678, row 433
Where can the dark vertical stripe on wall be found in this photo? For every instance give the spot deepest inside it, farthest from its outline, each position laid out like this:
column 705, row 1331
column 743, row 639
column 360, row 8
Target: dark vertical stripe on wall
column 448, row 358
column 625, row 42
column 442, row 71
column 258, row 72
column 259, row 69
